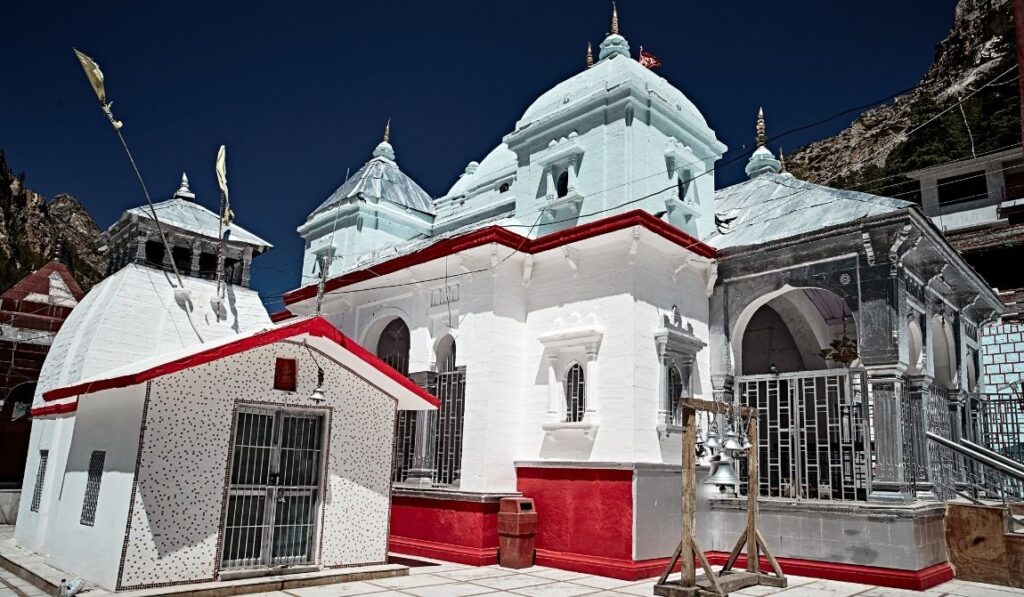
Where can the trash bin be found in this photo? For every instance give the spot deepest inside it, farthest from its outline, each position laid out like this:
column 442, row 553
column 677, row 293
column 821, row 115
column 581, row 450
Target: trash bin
column 517, row 532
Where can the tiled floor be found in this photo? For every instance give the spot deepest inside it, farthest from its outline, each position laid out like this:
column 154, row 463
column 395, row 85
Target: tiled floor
column 454, row 580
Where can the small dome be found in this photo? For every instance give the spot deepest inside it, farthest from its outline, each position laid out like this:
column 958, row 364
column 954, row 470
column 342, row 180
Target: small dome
column 500, row 162
column 614, row 44
column 384, row 150
column 762, row 161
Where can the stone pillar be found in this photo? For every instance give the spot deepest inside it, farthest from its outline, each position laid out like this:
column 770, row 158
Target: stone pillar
column 664, row 400
column 555, row 394
column 590, row 415
column 889, row 482
column 421, row 471
column 246, row 266
column 197, row 249
column 140, row 247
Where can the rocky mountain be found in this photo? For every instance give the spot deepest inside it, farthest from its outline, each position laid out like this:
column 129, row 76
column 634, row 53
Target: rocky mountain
column 926, row 126
column 33, row 231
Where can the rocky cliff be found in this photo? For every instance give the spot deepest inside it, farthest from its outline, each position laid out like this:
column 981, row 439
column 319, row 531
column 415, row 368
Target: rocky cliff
column 926, row 127
column 33, row 231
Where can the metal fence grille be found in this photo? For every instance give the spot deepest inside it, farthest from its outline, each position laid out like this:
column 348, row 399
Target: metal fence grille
column 812, row 435
column 942, row 461
column 575, row 394
column 1002, row 424
column 274, row 493
column 92, row 487
column 451, row 391
column 405, row 425
column 37, row 491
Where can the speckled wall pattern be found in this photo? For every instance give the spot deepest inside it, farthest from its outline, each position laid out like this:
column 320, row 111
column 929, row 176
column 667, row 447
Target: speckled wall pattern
column 174, row 530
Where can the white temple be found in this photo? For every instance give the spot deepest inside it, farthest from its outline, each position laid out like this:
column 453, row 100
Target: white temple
column 573, row 284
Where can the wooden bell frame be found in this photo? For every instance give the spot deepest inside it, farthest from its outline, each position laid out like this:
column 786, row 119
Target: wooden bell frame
column 726, row 580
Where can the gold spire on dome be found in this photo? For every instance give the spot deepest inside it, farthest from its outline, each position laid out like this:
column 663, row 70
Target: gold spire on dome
column 615, row 20
column 782, row 161
column 590, row 55
column 387, row 131
column 760, row 127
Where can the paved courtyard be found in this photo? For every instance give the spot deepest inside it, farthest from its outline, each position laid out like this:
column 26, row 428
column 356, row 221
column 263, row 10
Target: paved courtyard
column 454, row 580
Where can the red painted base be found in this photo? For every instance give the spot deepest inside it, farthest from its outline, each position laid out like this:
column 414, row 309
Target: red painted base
column 460, row 554
column 914, row 580
column 444, row 529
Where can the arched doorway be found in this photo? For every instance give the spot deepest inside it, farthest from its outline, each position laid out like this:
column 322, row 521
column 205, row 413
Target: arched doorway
column 392, row 347
column 15, row 430
column 796, row 355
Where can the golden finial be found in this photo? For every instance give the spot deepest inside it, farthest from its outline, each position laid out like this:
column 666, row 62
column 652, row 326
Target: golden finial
column 760, row 127
column 387, row 131
column 615, row 20
column 590, row 55
column 782, row 161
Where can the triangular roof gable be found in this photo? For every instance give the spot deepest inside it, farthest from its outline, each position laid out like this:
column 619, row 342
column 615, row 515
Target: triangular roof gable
column 38, row 282
column 326, row 337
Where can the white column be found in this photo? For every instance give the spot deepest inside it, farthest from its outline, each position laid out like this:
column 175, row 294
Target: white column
column 555, row 394
column 591, row 387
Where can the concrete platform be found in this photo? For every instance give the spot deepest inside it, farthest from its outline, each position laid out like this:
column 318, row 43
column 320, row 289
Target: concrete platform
column 32, row 569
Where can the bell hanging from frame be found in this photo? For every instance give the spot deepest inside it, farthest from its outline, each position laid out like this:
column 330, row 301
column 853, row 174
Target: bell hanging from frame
column 713, row 442
column 745, row 441
column 725, row 472
column 732, row 441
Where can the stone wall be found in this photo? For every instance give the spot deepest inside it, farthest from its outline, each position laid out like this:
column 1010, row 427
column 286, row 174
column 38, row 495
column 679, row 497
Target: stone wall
column 1002, row 357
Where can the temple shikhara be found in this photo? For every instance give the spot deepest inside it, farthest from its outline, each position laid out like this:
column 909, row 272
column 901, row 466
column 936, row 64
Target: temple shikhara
column 532, row 332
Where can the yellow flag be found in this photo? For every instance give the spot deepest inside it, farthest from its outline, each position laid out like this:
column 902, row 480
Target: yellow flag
column 92, row 70
column 222, row 181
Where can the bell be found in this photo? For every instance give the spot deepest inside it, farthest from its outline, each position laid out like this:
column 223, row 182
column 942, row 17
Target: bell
column 712, row 441
column 732, row 441
column 724, row 473
column 745, row 442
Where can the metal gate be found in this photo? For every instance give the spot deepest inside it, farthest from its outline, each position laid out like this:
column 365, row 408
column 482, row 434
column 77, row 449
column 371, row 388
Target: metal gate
column 451, row 391
column 812, row 434
column 274, row 488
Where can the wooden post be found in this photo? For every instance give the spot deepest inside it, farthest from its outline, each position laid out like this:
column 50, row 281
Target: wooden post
column 688, row 574
column 753, row 561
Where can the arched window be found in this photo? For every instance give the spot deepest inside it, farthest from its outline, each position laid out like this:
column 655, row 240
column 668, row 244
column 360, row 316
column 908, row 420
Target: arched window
column 562, row 185
column 393, row 346
column 675, row 390
column 575, row 394
column 682, row 186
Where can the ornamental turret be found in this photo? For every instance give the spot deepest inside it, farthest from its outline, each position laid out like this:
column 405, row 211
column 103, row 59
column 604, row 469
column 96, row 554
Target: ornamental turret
column 762, row 160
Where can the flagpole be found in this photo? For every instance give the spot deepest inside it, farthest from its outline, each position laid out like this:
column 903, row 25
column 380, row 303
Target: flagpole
column 95, row 76
column 152, row 210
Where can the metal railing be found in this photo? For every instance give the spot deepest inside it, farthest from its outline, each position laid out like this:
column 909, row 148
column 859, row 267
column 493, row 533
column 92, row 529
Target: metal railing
column 447, row 433
column 988, row 476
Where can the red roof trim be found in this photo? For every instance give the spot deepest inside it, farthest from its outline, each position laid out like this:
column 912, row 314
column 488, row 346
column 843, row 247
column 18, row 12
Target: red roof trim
column 316, row 326
column 55, row 409
column 279, row 316
column 502, row 236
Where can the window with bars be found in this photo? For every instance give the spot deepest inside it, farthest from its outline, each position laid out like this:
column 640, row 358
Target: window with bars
column 575, row 394
column 37, row 492
column 675, row 390
column 92, row 487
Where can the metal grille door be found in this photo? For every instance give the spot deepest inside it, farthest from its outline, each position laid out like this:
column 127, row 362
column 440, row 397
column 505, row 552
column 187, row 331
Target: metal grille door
column 274, row 490
column 451, row 391
column 812, row 435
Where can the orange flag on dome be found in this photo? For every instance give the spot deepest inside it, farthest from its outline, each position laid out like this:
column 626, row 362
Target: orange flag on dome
column 647, row 59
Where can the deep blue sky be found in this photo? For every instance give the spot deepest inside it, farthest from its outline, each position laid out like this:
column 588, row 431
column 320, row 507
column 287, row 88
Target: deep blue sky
column 299, row 92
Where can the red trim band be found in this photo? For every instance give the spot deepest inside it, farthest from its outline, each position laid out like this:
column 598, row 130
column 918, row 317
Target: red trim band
column 315, row 326
column 279, row 316
column 502, row 236
column 54, row 409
